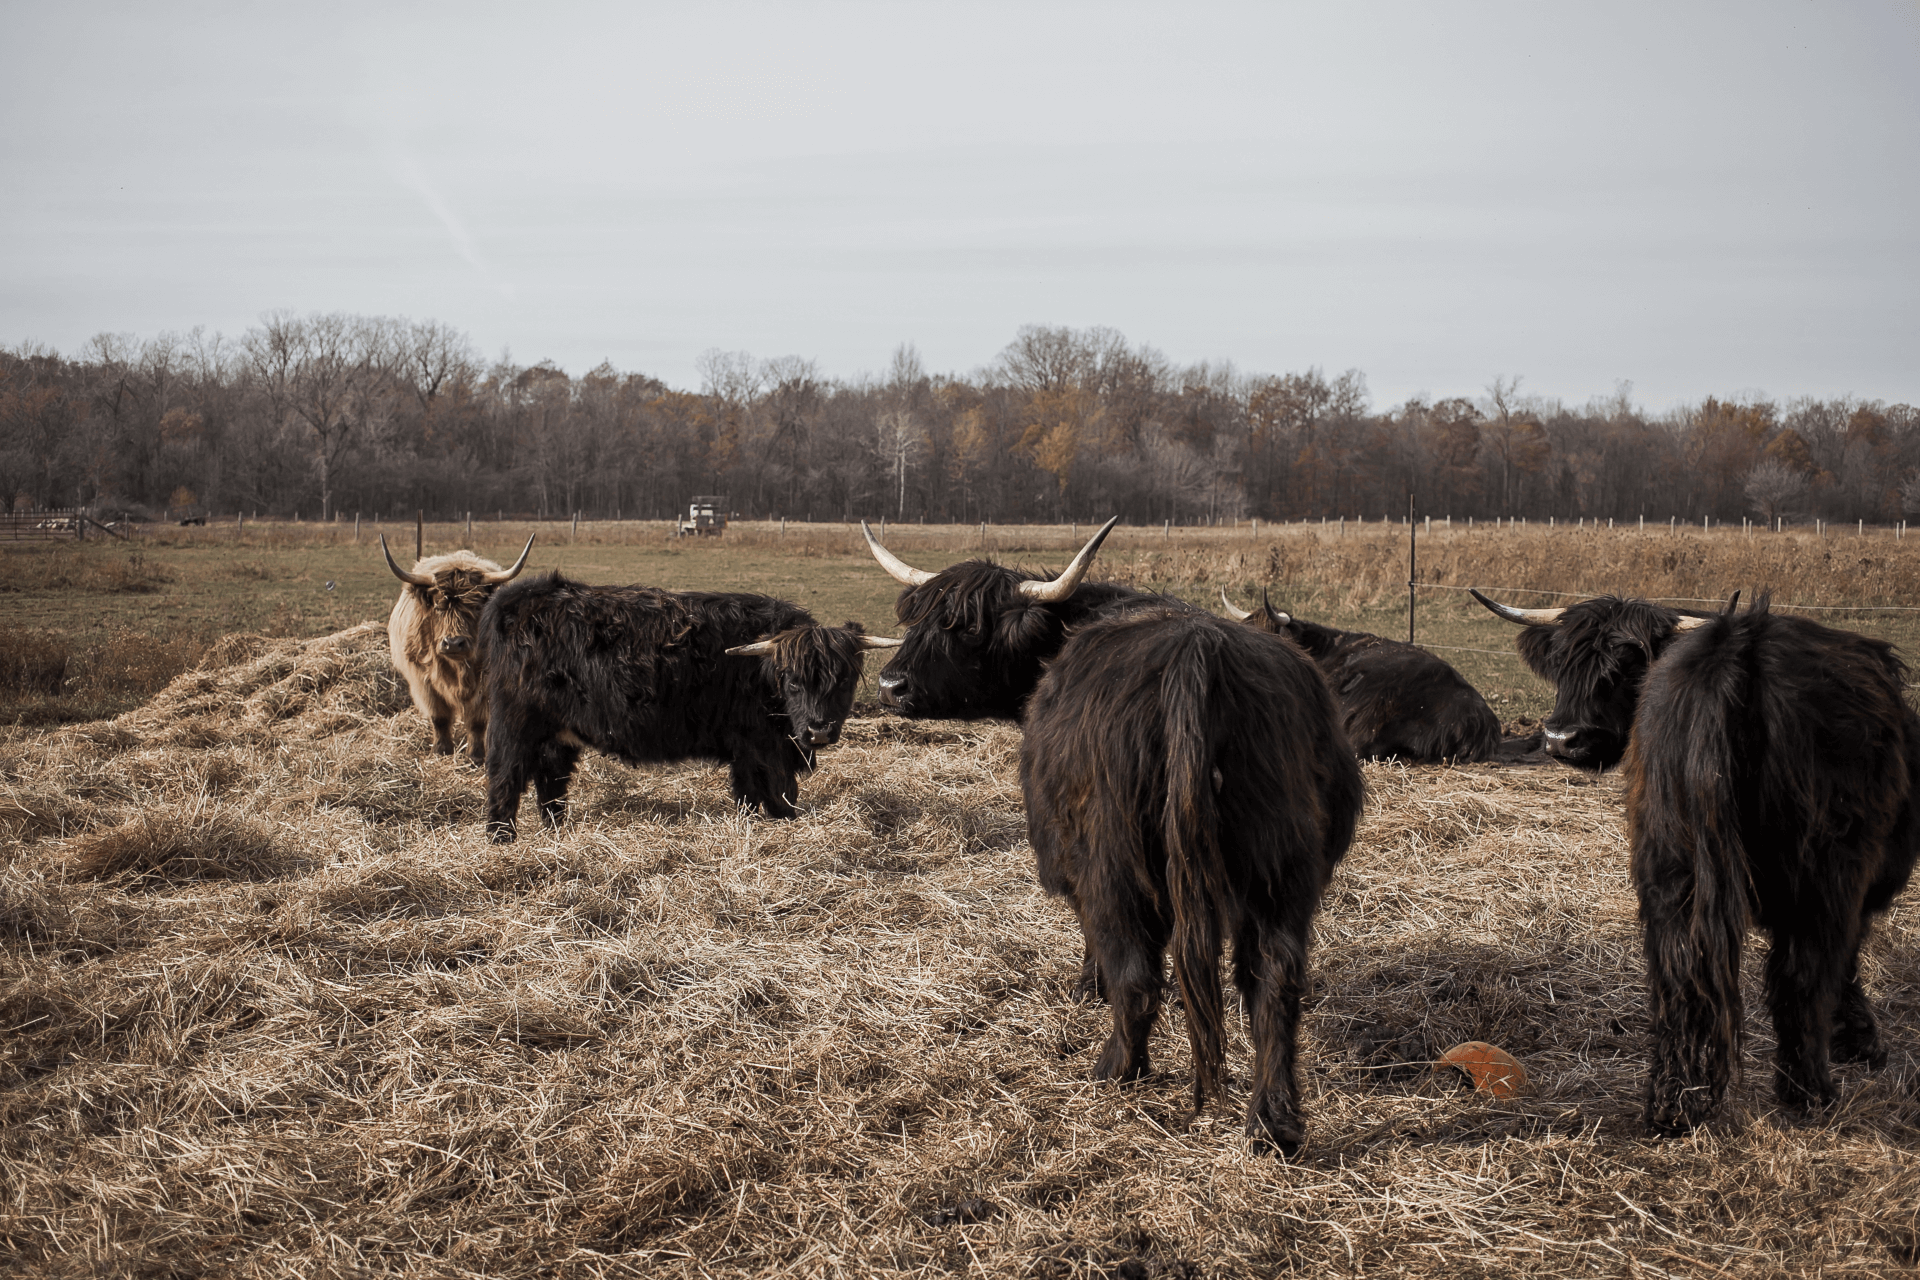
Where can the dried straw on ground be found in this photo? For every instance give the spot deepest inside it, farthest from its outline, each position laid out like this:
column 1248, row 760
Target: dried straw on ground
column 275, row 1008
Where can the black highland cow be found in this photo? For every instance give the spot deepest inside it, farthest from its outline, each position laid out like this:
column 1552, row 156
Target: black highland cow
column 1771, row 781
column 1396, row 700
column 650, row 675
column 1595, row 654
column 1187, row 782
column 978, row 634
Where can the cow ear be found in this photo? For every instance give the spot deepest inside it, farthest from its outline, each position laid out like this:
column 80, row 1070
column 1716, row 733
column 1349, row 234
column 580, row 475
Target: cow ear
column 855, row 627
column 1536, row 650
column 753, row 650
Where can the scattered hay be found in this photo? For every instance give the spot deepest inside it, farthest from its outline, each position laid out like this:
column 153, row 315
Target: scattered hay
column 172, row 846
column 274, row 1006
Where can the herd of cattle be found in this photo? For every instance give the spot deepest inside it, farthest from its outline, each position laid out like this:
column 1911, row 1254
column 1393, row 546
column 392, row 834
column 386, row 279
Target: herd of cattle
column 1190, row 779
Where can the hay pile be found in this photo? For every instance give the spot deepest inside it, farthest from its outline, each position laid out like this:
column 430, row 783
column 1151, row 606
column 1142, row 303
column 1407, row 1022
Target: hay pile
column 274, row 1007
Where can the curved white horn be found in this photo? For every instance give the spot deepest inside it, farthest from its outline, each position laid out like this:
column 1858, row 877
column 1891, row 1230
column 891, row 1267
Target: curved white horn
column 496, row 579
column 893, row 564
column 411, row 579
column 752, row 650
column 1524, row 617
column 1233, row 610
column 1688, row 622
column 880, row 642
column 1064, row 585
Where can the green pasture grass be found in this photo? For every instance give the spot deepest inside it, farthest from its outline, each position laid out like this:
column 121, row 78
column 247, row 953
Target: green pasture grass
column 178, row 590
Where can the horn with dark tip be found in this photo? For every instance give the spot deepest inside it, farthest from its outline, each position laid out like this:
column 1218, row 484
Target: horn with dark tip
column 880, row 642
column 1239, row 614
column 752, row 650
column 1523, row 617
column 1690, row 623
column 893, row 564
column 1064, row 585
column 1279, row 616
column 411, row 579
column 508, row 575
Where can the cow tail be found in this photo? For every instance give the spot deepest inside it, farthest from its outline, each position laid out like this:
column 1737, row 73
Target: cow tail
column 1690, row 870
column 1196, row 875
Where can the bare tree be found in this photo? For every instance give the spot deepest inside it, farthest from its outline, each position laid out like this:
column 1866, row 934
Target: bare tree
column 1775, row 489
column 320, row 372
column 897, row 440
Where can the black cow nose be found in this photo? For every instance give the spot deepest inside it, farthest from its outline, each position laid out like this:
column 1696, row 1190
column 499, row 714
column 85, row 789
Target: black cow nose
column 893, row 691
column 1578, row 744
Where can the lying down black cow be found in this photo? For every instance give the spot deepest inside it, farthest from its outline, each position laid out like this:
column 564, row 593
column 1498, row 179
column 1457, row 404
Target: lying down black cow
column 1396, row 700
column 650, row 675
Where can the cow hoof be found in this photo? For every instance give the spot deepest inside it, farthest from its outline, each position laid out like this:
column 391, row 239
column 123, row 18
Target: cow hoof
column 1088, row 991
column 1114, row 1064
column 1859, row 1044
column 1798, row 1096
column 1276, row 1139
column 500, row 833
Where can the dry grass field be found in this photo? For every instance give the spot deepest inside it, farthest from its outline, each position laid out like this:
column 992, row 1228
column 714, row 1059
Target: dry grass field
column 273, row 1006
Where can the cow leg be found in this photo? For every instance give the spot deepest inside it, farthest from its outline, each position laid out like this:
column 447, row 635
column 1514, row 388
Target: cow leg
column 1275, row 972
column 477, row 735
column 510, row 766
column 1856, row 1032
column 1090, row 986
column 758, row 781
column 551, row 777
column 1129, row 948
column 439, row 714
column 1806, row 974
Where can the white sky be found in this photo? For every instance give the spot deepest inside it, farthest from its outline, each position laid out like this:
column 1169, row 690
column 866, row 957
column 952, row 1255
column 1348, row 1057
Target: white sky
column 1702, row 199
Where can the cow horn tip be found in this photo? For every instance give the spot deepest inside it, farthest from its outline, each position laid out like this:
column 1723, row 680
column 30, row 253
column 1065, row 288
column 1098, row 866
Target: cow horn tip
column 902, row 572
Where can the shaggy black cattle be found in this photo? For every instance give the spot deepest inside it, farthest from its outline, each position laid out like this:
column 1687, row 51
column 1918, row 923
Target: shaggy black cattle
column 1595, row 654
column 978, row 634
column 650, row 675
column 1186, row 781
column 1771, row 781
column 1395, row 699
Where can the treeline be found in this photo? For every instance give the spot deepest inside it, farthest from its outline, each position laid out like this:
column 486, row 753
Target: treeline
column 339, row 413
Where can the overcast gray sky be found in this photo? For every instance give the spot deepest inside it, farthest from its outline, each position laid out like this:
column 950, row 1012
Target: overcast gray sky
column 1702, row 199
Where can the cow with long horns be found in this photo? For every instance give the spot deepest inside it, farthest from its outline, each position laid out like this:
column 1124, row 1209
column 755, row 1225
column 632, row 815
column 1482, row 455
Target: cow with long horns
column 1772, row 769
column 1187, row 782
column 978, row 634
column 648, row 675
column 1396, row 700
column 430, row 638
column 1596, row 654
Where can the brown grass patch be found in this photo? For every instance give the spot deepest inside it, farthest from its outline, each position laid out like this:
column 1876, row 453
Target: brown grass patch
column 275, row 1007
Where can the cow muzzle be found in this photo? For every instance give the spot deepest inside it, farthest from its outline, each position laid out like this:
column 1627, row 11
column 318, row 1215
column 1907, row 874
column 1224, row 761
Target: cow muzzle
column 1583, row 747
column 823, row 734
column 456, row 646
column 893, row 692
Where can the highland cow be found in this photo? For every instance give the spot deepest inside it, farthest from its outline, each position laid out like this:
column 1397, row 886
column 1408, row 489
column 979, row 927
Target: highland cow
column 1771, row 781
column 1187, row 782
column 1396, row 700
column 430, row 637
column 647, row 675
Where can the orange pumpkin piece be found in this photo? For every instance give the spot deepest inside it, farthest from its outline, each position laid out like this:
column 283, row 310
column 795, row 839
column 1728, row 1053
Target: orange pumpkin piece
column 1492, row 1070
